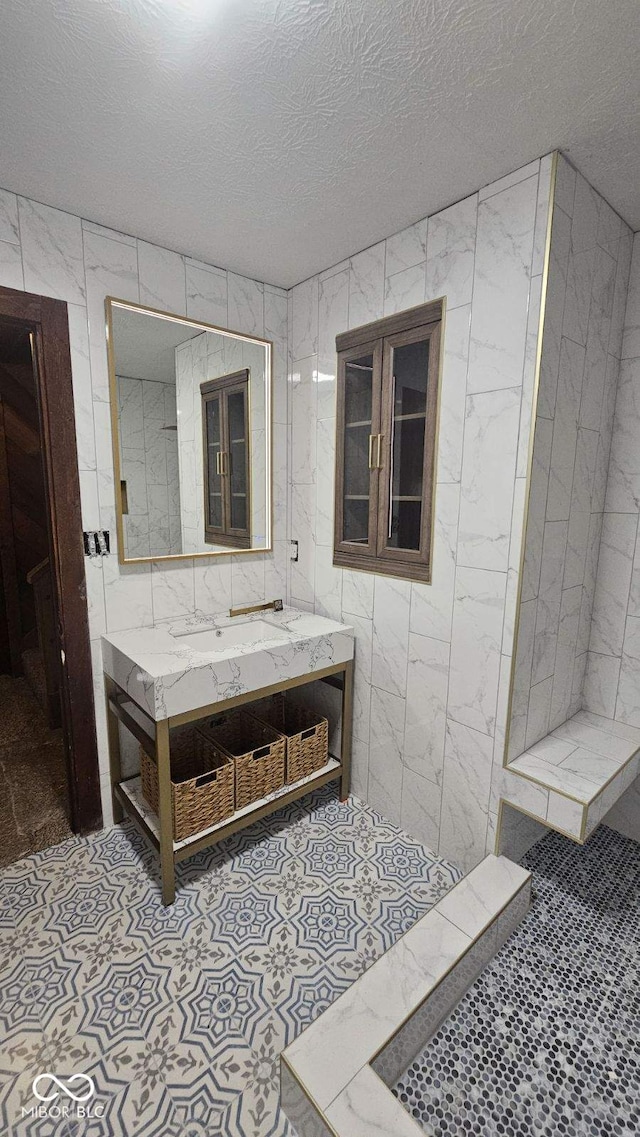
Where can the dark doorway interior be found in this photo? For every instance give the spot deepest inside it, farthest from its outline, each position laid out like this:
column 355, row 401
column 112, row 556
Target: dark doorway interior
column 34, row 795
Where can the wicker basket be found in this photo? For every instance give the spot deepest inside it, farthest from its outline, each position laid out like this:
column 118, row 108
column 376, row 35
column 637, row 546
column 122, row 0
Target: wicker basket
column 258, row 752
column 306, row 732
column 202, row 783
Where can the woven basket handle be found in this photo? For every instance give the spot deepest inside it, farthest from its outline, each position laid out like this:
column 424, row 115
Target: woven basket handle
column 204, row 779
column 308, row 733
column 262, row 753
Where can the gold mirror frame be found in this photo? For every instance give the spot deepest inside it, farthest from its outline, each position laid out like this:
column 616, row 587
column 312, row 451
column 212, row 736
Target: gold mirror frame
column 112, row 302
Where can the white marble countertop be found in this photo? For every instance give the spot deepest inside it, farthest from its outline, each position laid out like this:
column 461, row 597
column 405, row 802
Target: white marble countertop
column 167, row 676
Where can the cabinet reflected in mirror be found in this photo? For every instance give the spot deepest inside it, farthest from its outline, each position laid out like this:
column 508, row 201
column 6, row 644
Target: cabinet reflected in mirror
column 191, row 418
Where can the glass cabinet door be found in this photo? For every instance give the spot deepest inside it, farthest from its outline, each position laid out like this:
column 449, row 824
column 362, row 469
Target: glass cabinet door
column 214, row 500
column 359, row 447
column 409, row 398
column 236, row 461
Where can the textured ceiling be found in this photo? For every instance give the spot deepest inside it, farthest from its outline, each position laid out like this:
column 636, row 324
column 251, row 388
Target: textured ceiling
column 276, row 137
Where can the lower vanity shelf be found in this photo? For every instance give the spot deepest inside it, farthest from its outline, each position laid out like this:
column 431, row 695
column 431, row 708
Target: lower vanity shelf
column 154, row 738
column 129, row 794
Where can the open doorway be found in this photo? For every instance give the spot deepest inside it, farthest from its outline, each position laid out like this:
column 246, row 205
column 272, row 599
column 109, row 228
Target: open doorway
column 49, row 783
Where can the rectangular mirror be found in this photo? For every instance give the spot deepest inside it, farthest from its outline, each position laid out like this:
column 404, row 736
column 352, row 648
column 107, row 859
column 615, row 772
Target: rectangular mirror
column 191, row 420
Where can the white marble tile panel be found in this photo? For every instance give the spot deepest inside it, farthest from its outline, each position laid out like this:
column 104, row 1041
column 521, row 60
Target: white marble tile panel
column 554, row 750
column 366, row 285
column 404, row 290
column 303, row 423
column 556, row 777
column 578, row 295
column 82, row 393
column 328, row 584
column 539, row 710
column 304, row 333
column 248, row 580
column 111, row 270
column 567, row 409
column 565, row 185
column 488, row 470
column 9, row 228
column 520, row 175
column 172, row 588
column 472, row 903
column 206, row 294
column 357, row 593
column 392, row 600
column 51, row 251
column 565, row 814
column 465, row 795
column 11, row 275
column 538, row 493
column 554, row 312
column 453, row 394
column 584, row 224
column 385, row 754
column 420, row 811
column 333, row 311
column 606, row 723
column 475, row 648
column 162, row 279
column 623, row 267
column 406, row 248
column 451, row 240
column 593, row 766
column 577, row 543
column 303, row 510
column 609, row 226
column 325, row 474
column 504, row 251
column 617, row 547
column 542, row 214
column 628, row 701
column 529, row 377
column 212, row 582
column 127, row 591
column 245, row 305
column 593, row 738
column 432, row 604
column 426, row 707
column 104, row 231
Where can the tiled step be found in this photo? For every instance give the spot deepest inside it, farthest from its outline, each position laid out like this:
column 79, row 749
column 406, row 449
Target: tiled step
column 585, row 765
column 335, row 1077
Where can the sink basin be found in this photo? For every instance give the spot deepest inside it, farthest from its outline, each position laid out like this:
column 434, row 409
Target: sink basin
column 218, row 639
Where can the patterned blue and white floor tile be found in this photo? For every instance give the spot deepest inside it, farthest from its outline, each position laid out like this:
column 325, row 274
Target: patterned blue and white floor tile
column 179, row 1014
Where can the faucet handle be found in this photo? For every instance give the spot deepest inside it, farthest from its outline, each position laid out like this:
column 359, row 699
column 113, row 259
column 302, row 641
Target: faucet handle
column 278, row 605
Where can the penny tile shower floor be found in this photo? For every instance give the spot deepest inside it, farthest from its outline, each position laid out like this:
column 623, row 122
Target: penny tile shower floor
column 179, row 1014
column 545, row 1043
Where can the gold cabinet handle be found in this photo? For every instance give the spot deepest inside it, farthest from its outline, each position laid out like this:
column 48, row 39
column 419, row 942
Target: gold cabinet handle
column 379, row 438
column 218, row 464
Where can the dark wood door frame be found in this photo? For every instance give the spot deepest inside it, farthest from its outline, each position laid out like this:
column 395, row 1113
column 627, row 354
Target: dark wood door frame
column 47, row 320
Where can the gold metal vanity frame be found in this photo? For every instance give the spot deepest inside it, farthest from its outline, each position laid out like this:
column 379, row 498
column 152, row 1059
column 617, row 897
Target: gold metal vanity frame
column 157, row 746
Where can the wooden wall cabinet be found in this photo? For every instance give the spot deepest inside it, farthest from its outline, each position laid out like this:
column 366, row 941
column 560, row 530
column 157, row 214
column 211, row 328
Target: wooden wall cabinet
column 387, row 409
column 226, row 432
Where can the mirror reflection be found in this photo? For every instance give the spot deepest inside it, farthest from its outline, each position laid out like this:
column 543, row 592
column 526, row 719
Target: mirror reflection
column 191, row 418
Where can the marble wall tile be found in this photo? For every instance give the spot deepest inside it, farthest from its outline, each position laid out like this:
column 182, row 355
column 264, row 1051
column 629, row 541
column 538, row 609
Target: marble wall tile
column 385, row 754
column 565, row 185
column 615, row 566
column 206, row 294
column 529, row 377
column 303, row 499
column 325, row 466
column 420, row 809
column 404, row 290
column 542, row 215
column 245, row 305
column 247, row 580
column 127, row 591
column 302, row 396
column 357, row 593
column 363, row 630
column 609, row 226
column 554, row 312
column 392, row 600
column 475, row 647
column 9, row 227
column 584, row 224
column 628, row 699
column 406, row 248
column 366, row 285
column 172, row 587
column 451, row 240
column 275, row 329
column 82, row 394
column 212, row 583
column 453, row 394
column 51, row 252
column 304, row 333
column 539, row 711
column 488, row 470
column 162, row 279
column 504, row 250
column 601, row 684
column 538, row 497
column 328, row 584
column 426, row 707
column 432, row 604
column 333, row 312
column 465, row 795
column 578, row 295
column 11, row 274
column 111, row 269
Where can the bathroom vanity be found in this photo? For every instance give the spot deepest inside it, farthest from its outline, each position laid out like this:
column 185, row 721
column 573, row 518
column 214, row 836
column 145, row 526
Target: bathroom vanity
column 167, row 676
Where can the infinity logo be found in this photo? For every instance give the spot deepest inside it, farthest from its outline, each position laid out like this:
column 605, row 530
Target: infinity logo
column 83, row 1078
